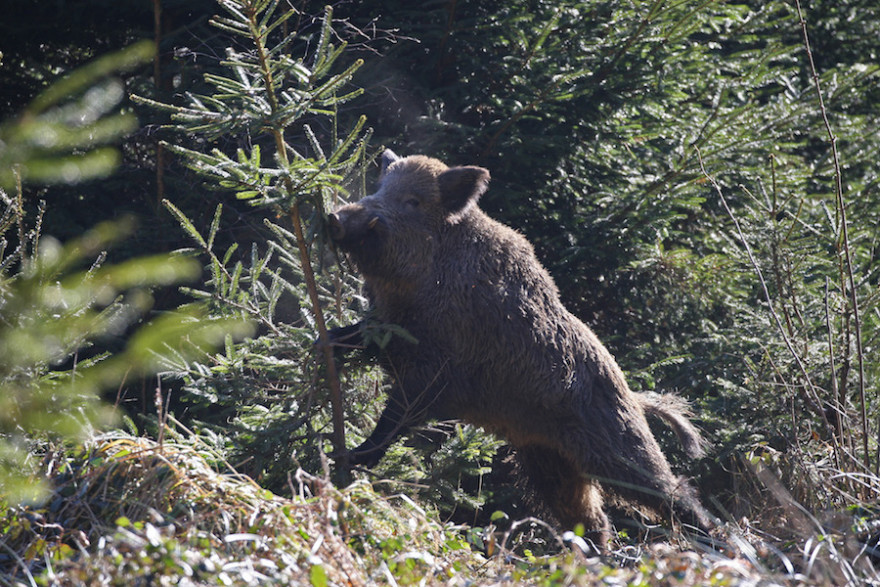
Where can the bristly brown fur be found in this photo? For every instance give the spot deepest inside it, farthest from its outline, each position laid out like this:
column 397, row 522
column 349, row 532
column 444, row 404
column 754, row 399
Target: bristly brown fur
column 497, row 348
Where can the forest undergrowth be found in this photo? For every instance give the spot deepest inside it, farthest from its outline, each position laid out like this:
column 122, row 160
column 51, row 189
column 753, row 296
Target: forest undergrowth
column 126, row 510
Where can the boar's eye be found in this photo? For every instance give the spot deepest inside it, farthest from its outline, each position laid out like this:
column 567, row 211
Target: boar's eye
column 413, row 202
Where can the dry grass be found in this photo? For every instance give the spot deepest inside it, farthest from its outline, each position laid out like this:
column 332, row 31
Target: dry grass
column 128, row 511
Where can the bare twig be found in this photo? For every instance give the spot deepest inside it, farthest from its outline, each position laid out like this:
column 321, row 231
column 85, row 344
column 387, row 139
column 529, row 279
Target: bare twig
column 23, row 565
column 162, row 413
column 19, row 210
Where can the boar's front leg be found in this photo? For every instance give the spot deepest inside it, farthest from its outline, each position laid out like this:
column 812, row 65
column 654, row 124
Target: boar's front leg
column 393, row 422
column 413, row 398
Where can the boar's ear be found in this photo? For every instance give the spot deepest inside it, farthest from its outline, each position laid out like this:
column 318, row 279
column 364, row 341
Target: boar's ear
column 388, row 157
column 459, row 186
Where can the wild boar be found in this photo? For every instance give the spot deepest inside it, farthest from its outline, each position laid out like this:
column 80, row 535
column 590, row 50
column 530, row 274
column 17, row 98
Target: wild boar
column 492, row 344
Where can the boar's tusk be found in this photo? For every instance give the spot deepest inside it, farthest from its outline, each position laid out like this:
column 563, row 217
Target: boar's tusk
column 372, row 223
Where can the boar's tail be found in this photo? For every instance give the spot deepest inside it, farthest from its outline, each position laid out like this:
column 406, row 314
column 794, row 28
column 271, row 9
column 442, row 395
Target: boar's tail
column 675, row 411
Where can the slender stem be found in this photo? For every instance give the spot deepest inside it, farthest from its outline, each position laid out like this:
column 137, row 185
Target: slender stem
column 844, row 236
column 441, row 48
column 305, row 261
column 21, row 563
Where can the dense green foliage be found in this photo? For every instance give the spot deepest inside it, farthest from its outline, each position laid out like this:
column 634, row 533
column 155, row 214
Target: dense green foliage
column 704, row 201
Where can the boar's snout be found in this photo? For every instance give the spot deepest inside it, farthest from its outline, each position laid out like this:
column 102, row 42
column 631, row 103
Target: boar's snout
column 350, row 224
column 337, row 229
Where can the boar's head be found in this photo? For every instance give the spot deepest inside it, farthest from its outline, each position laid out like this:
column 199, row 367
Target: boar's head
column 392, row 234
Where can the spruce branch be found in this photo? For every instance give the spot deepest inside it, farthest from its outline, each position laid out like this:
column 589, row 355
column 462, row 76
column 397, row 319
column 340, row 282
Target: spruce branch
column 263, row 91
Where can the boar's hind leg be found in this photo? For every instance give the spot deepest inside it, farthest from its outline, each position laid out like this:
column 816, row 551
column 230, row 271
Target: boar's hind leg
column 552, row 480
column 639, row 472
